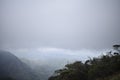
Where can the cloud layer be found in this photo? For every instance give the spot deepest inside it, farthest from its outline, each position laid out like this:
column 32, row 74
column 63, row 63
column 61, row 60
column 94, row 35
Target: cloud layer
column 69, row 24
column 48, row 54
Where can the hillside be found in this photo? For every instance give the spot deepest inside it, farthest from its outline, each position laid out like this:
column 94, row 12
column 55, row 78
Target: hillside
column 11, row 68
column 105, row 67
column 113, row 77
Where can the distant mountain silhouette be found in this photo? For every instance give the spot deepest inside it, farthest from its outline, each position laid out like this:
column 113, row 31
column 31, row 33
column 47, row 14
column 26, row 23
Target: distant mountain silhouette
column 11, row 68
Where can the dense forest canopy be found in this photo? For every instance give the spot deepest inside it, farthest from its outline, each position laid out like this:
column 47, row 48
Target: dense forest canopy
column 105, row 67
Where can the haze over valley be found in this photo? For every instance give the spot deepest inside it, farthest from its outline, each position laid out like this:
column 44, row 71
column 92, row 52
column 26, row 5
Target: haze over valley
column 38, row 37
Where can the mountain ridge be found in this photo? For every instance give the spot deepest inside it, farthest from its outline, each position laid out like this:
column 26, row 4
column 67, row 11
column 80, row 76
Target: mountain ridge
column 12, row 66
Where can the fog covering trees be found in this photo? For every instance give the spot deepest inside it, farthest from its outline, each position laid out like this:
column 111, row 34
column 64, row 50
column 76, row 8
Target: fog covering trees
column 12, row 68
column 105, row 67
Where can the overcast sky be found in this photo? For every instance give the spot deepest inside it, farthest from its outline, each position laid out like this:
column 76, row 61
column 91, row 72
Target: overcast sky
column 66, row 24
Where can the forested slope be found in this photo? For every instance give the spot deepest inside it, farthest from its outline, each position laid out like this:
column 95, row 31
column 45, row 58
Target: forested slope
column 105, row 67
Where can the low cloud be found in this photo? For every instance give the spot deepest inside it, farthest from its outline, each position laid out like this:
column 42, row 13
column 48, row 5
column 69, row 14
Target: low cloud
column 48, row 53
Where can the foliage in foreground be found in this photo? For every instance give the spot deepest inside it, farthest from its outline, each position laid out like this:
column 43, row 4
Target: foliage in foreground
column 106, row 67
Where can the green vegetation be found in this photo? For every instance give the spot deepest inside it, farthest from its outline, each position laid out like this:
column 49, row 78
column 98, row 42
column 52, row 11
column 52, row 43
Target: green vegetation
column 106, row 67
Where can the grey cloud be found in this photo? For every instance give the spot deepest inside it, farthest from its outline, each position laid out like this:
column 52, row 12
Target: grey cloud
column 71, row 24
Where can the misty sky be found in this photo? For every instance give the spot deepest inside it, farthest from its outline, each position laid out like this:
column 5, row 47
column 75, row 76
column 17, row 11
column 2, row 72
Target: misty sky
column 66, row 24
